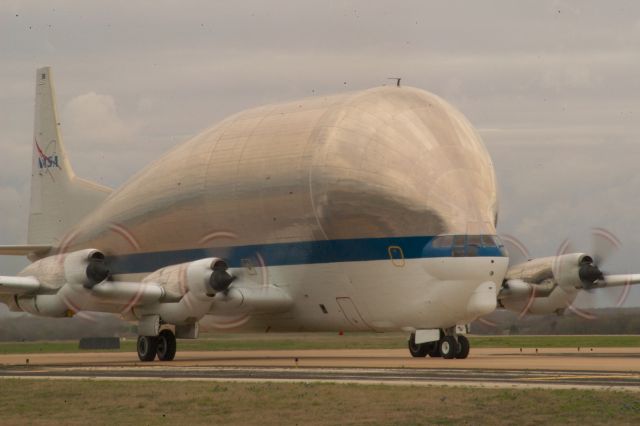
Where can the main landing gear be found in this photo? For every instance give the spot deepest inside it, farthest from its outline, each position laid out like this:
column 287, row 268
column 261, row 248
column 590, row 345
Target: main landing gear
column 162, row 345
column 448, row 347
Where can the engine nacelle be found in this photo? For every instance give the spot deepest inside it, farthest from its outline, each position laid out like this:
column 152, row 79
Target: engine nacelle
column 48, row 305
column 196, row 282
column 83, row 267
column 58, row 277
column 204, row 278
column 545, row 285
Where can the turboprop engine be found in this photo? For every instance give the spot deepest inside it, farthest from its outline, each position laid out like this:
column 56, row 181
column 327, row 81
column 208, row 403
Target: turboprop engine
column 41, row 288
column 195, row 283
column 550, row 284
column 83, row 267
column 203, row 286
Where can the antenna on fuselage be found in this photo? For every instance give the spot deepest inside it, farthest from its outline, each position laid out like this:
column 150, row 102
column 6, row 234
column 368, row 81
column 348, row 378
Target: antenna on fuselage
column 397, row 79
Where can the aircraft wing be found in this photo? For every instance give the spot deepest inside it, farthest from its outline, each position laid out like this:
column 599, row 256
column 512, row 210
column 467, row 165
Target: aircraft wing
column 107, row 291
column 176, row 294
column 24, row 250
column 18, row 285
column 618, row 280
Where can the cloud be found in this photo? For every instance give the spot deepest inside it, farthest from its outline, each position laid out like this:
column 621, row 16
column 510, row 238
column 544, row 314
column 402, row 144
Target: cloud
column 14, row 207
column 13, row 211
column 93, row 119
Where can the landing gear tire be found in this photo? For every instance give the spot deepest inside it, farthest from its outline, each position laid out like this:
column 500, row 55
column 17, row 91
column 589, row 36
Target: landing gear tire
column 418, row 350
column 166, row 348
column 448, row 347
column 147, row 347
column 463, row 347
column 435, row 350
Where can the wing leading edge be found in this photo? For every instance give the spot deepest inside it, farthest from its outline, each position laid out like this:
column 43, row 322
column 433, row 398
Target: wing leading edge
column 25, row 250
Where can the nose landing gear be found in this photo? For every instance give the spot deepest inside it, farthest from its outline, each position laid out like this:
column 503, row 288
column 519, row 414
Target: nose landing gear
column 449, row 346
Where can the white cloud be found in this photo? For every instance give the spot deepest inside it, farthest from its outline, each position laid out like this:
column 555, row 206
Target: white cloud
column 93, row 120
column 14, row 208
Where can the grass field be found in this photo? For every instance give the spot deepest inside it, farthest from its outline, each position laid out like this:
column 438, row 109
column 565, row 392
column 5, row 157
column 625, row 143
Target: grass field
column 289, row 341
column 40, row 402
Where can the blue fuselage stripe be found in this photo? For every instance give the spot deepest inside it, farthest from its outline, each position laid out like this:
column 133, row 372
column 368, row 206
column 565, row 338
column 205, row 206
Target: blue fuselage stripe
column 296, row 253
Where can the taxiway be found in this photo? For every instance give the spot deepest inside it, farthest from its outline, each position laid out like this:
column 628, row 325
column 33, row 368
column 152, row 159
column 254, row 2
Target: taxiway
column 597, row 368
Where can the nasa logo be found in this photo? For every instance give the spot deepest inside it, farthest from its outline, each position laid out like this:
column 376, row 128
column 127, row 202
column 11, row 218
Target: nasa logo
column 47, row 161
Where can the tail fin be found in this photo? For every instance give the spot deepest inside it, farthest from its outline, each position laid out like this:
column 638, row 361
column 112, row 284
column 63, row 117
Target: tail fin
column 59, row 199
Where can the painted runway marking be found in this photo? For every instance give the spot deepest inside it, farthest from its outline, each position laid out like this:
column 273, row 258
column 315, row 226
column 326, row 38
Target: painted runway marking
column 572, row 377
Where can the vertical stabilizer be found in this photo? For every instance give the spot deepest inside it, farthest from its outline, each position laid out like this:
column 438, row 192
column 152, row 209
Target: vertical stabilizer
column 59, row 199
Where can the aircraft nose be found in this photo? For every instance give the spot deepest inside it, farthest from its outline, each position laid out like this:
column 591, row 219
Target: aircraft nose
column 483, row 299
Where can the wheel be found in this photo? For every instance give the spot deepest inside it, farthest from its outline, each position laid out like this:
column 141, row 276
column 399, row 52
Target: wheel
column 435, row 350
column 448, row 347
column 417, row 350
column 166, row 348
column 147, row 346
column 463, row 347
column 431, row 346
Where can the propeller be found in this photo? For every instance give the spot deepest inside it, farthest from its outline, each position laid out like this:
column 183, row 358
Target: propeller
column 97, row 270
column 603, row 247
column 594, row 273
column 590, row 273
column 220, row 279
column 518, row 252
column 604, row 244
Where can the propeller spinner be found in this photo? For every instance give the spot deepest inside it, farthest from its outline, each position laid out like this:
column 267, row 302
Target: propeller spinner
column 589, row 273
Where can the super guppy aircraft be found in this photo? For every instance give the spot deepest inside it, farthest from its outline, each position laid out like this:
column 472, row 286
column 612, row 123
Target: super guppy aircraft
column 372, row 210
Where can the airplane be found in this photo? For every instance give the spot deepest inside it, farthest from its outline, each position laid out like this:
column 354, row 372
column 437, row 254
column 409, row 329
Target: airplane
column 370, row 210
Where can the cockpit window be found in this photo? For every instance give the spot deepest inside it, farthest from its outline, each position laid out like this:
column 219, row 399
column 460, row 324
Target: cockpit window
column 488, row 241
column 458, row 246
column 474, row 240
column 500, row 246
column 465, row 246
column 458, row 241
column 473, row 244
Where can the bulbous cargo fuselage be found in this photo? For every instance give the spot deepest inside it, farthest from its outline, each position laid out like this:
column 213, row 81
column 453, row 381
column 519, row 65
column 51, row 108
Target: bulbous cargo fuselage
column 327, row 197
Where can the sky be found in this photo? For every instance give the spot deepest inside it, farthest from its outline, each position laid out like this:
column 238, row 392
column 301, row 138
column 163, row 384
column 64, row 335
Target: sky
column 552, row 87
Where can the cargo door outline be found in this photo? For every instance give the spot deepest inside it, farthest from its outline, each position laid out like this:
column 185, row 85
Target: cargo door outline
column 351, row 313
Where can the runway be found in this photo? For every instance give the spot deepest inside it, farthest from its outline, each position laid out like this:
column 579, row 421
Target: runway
column 602, row 368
